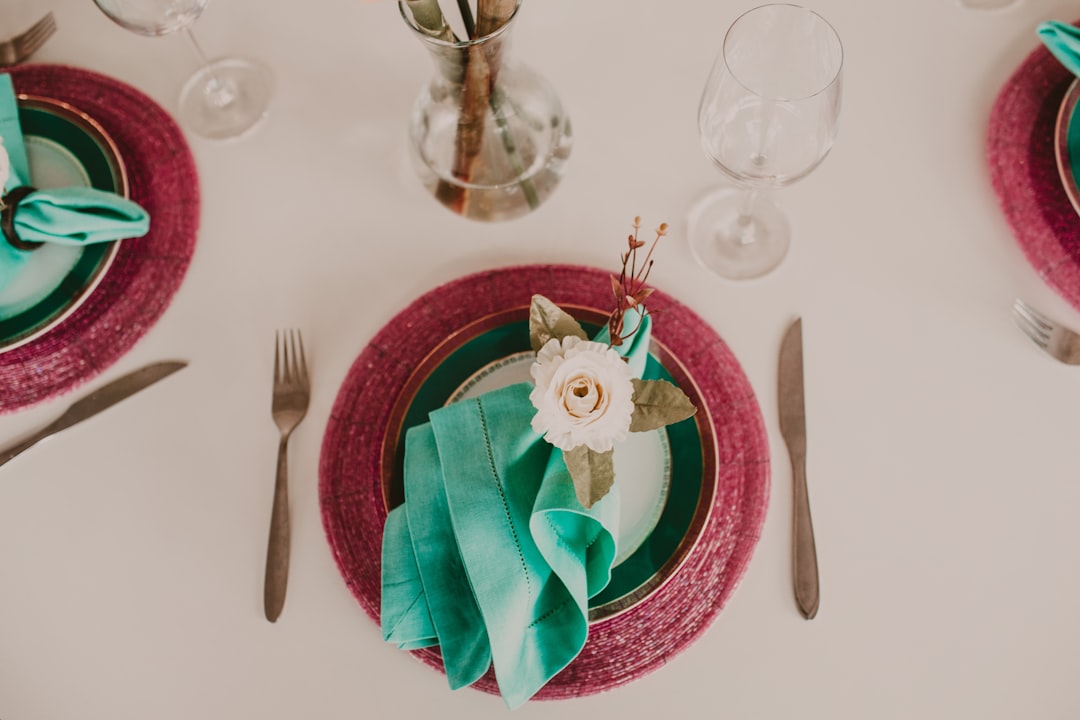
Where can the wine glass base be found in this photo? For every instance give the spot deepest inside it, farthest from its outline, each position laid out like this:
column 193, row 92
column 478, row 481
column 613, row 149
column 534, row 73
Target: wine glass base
column 225, row 99
column 732, row 243
column 988, row 4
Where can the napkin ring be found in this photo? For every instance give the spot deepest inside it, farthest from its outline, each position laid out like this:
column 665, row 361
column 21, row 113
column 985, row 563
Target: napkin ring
column 8, row 204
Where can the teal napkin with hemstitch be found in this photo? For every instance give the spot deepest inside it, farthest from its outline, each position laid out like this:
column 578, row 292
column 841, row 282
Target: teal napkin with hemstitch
column 491, row 556
column 68, row 215
column 1063, row 42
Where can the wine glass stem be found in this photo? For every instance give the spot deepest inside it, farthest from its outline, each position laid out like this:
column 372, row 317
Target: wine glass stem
column 218, row 92
column 747, row 198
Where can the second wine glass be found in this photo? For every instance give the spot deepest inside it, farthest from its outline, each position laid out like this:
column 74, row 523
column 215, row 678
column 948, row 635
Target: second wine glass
column 767, row 117
column 224, row 98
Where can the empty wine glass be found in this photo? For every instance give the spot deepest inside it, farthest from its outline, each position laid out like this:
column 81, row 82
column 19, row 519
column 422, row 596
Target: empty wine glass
column 224, row 98
column 768, row 116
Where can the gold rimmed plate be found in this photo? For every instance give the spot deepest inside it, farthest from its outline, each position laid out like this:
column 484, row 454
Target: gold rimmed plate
column 65, row 147
column 667, row 478
column 1067, row 143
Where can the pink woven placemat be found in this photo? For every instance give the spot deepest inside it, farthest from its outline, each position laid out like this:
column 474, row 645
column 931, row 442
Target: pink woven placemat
column 146, row 272
column 625, row 646
column 1020, row 151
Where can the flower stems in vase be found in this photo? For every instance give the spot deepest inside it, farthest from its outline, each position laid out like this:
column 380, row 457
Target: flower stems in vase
column 476, row 72
column 429, row 18
column 491, row 14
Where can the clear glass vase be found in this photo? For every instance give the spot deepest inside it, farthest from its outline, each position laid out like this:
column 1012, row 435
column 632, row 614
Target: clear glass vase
column 489, row 136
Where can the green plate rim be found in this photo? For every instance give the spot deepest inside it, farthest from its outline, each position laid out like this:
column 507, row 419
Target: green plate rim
column 94, row 149
column 688, row 503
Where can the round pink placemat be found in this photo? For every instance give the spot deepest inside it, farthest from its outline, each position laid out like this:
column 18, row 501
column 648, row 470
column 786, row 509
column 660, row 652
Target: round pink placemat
column 1023, row 170
column 146, row 272
column 625, row 646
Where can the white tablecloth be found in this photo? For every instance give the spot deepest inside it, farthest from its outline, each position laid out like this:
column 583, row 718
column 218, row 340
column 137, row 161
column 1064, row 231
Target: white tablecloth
column 942, row 461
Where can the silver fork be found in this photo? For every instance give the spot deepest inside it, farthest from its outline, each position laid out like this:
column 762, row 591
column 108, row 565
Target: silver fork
column 1060, row 342
column 16, row 49
column 292, row 391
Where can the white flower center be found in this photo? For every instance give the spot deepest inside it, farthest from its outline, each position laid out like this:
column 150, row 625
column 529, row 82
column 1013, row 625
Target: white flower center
column 582, row 396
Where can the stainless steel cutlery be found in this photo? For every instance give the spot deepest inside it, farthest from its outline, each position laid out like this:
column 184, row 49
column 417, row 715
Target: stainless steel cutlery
column 1059, row 342
column 104, row 397
column 292, row 392
column 16, row 49
column 793, row 428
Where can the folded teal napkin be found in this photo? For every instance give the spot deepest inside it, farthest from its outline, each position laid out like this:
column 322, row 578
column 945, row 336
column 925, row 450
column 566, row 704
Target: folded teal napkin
column 1063, row 42
column 492, row 557
column 68, row 216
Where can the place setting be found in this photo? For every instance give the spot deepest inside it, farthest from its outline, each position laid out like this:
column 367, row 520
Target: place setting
column 1033, row 153
column 694, row 493
column 498, row 497
column 71, row 308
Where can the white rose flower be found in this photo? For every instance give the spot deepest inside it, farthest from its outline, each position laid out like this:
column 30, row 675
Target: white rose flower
column 583, row 395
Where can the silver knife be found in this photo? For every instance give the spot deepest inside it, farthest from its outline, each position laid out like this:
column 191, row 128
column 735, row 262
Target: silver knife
column 793, row 428
column 104, row 397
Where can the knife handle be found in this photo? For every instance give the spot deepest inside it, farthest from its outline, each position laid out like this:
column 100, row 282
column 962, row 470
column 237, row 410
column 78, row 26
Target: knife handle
column 13, row 450
column 277, row 549
column 804, row 550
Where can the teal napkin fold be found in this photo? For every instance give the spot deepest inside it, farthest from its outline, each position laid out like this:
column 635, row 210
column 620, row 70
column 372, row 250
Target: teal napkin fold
column 68, row 215
column 492, row 557
column 1063, row 42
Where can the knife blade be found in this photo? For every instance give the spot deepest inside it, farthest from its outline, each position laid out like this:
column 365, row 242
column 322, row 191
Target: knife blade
column 793, row 429
column 101, row 399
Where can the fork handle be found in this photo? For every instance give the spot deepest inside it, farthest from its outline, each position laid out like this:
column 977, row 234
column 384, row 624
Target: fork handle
column 277, row 550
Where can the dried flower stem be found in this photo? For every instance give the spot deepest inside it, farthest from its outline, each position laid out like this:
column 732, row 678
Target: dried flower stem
column 492, row 14
column 629, row 288
column 477, row 75
column 428, row 17
column 467, row 18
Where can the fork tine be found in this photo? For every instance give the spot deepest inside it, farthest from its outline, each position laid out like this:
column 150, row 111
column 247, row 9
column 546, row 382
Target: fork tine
column 29, row 41
column 1034, row 315
column 277, row 357
column 47, row 24
column 302, row 368
column 1037, row 335
column 299, row 365
column 25, row 47
column 1034, row 319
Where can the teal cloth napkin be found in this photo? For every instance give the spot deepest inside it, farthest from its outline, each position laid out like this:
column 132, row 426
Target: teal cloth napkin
column 491, row 556
column 1063, row 42
column 69, row 215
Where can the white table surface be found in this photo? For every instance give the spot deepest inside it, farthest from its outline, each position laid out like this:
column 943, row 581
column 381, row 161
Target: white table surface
column 942, row 444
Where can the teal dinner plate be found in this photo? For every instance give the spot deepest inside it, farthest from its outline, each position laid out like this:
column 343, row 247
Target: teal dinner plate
column 65, row 147
column 1067, row 143
column 666, row 479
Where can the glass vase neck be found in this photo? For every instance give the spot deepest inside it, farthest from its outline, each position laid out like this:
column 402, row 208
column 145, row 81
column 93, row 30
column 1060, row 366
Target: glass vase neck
column 444, row 37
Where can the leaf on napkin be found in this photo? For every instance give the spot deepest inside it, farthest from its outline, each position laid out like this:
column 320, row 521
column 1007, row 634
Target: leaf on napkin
column 658, row 403
column 593, row 473
column 547, row 320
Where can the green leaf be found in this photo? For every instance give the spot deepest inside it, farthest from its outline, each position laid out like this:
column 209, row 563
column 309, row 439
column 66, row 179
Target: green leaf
column 658, row 403
column 593, row 473
column 547, row 320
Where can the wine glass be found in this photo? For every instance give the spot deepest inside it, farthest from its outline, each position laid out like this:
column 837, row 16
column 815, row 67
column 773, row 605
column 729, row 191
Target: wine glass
column 224, row 98
column 768, row 116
